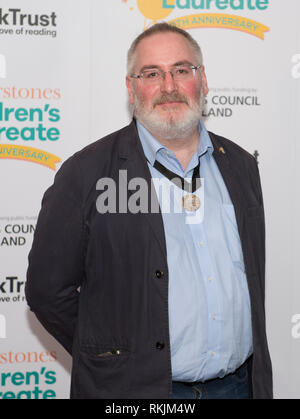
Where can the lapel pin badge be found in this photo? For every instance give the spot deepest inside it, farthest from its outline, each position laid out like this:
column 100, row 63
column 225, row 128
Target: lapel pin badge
column 221, row 149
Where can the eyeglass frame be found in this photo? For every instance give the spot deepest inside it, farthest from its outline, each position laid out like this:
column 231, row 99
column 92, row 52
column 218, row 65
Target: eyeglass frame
column 163, row 73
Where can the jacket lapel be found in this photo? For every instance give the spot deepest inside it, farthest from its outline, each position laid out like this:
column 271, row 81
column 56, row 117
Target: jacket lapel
column 133, row 161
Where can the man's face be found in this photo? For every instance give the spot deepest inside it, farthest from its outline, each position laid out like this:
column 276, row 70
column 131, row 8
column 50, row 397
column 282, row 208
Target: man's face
column 166, row 107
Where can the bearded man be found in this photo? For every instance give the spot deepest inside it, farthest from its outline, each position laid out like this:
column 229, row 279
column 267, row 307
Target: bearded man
column 157, row 304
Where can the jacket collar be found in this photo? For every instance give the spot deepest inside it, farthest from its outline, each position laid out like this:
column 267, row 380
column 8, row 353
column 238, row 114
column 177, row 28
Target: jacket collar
column 133, row 160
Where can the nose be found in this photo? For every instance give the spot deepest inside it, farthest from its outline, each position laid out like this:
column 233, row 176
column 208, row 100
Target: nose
column 168, row 84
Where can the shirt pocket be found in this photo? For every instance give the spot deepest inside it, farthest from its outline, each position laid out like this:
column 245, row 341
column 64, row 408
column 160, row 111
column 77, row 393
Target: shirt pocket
column 232, row 236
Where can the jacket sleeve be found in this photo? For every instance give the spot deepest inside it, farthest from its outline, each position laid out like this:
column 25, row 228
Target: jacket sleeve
column 56, row 260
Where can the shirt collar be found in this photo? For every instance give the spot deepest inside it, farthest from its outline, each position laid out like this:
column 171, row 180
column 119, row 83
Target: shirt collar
column 152, row 146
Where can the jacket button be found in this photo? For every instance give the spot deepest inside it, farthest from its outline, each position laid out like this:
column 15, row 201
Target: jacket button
column 160, row 345
column 159, row 274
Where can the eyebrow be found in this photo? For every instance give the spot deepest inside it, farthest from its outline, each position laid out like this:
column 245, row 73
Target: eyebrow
column 152, row 66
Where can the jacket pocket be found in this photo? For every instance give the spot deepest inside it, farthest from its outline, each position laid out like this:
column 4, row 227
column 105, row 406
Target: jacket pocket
column 103, row 372
column 104, row 352
column 109, row 353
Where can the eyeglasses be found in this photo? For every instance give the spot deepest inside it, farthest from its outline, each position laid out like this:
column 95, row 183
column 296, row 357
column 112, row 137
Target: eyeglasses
column 178, row 73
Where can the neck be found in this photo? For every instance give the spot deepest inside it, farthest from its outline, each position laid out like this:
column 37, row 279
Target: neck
column 183, row 147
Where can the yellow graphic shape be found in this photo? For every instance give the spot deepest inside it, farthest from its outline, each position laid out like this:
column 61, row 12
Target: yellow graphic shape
column 224, row 21
column 152, row 9
column 29, row 154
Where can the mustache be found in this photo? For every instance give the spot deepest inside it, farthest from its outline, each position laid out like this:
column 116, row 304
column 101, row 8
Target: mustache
column 172, row 97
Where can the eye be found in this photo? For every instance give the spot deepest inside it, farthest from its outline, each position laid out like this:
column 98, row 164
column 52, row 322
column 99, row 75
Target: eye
column 182, row 71
column 151, row 74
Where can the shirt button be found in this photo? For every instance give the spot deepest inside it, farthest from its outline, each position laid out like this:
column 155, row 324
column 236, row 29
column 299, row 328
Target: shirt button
column 159, row 274
column 212, row 353
column 160, row 346
column 214, row 317
column 200, row 244
column 209, row 278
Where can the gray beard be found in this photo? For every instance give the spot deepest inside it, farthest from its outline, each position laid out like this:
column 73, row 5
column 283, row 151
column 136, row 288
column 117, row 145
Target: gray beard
column 169, row 128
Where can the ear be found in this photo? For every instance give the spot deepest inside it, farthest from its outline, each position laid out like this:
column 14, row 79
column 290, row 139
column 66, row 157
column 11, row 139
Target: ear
column 129, row 88
column 204, row 81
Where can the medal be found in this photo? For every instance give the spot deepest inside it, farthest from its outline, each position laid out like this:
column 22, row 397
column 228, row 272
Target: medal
column 191, row 202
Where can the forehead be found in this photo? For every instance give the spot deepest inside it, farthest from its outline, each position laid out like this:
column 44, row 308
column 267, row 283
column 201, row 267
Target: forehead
column 164, row 49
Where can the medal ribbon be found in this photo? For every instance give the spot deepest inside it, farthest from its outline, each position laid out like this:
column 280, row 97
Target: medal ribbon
column 185, row 186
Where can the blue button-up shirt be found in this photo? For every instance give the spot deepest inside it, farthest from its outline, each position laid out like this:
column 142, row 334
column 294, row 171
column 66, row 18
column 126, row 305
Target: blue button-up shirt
column 209, row 304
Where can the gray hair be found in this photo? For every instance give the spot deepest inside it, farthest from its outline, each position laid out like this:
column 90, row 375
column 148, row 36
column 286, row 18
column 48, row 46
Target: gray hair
column 156, row 29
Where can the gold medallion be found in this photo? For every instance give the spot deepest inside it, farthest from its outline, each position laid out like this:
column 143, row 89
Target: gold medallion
column 191, row 202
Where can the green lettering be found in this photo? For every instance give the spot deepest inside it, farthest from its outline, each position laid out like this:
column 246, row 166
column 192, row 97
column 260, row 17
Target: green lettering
column 167, row 6
column 250, row 6
column 9, row 395
column 2, row 130
column 49, row 394
column 186, row 5
column 208, row 3
column 12, row 133
column 40, row 129
column 21, row 114
column 34, row 374
column 30, row 136
column 38, row 111
column 17, row 379
column 4, row 376
column 262, row 4
column 240, row 5
column 53, row 134
column 50, row 377
column 36, row 392
column 27, row 395
column 222, row 4
column 198, row 6
column 54, row 115
column 7, row 112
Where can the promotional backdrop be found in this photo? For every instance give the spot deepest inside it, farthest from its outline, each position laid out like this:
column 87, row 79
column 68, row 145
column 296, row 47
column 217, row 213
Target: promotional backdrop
column 62, row 86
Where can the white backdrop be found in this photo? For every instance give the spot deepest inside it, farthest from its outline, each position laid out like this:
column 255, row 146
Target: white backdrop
column 62, row 86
